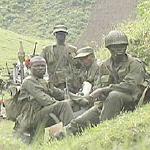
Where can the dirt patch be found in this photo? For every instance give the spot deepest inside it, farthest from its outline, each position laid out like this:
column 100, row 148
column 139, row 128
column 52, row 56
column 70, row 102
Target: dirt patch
column 104, row 16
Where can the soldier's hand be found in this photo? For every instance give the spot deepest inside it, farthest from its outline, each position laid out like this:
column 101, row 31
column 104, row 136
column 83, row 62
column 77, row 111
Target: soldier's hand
column 95, row 94
column 84, row 102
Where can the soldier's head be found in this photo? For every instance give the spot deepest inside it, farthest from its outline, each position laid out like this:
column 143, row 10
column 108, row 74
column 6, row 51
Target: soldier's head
column 86, row 56
column 60, row 32
column 116, row 42
column 38, row 66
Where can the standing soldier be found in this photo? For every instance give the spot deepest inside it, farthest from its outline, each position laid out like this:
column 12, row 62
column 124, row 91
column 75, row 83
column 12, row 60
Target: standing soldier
column 60, row 63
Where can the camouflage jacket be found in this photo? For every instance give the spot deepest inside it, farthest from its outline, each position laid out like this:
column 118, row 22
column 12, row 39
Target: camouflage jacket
column 61, row 64
column 92, row 73
column 35, row 95
column 128, row 78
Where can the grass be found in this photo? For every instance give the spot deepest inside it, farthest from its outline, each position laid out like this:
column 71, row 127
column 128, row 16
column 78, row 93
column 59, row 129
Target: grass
column 127, row 131
column 9, row 45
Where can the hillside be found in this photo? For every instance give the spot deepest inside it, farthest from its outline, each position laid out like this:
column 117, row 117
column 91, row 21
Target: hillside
column 104, row 16
column 9, row 45
column 128, row 131
column 38, row 17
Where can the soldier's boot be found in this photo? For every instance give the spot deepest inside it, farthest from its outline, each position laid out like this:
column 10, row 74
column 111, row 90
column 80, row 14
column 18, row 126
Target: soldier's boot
column 77, row 125
column 61, row 134
column 54, row 129
column 22, row 136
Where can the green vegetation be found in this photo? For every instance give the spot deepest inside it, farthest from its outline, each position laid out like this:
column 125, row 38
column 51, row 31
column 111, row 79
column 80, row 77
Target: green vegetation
column 127, row 131
column 139, row 33
column 38, row 17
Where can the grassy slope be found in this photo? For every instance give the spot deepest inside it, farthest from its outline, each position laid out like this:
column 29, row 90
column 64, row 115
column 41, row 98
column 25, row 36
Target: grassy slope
column 9, row 45
column 127, row 131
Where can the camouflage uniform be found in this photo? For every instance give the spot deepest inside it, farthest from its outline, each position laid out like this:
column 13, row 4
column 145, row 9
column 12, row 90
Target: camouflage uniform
column 61, row 66
column 38, row 105
column 124, row 86
column 89, row 74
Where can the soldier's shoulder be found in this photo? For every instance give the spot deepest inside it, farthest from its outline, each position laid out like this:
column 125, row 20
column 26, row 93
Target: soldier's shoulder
column 47, row 47
column 28, row 79
column 133, row 59
column 103, row 64
column 71, row 47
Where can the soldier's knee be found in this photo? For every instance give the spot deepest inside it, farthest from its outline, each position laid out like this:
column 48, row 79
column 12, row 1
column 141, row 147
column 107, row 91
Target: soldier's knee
column 114, row 96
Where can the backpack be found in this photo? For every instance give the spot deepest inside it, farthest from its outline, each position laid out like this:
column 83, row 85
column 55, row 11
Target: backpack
column 13, row 107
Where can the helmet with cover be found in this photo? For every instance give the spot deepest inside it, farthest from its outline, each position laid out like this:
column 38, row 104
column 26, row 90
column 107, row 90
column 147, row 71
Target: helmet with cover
column 115, row 37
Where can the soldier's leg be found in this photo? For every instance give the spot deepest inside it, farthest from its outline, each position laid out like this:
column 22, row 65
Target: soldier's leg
column 77, row 108
column 113, row 104
column 88, row 118
column 61, row 109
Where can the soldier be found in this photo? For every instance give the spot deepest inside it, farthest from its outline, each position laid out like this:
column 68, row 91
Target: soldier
column 38, row 106
column 121, row 84
column 60, row 63
column 90, row 72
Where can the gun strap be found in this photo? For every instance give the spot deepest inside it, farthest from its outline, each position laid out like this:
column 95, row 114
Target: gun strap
column 143, row 96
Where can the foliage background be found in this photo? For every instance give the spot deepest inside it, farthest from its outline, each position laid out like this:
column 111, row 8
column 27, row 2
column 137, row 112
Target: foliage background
column 138, row 34
column 38, row 17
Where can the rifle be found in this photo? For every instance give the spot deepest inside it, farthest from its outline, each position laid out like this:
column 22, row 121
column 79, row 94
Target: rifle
column 67, row 96
column 34, row 49
column 8, row 71
column 21, row 56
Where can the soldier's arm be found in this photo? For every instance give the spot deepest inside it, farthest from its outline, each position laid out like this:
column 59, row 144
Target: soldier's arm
column 97, row 79
column 56, row 92
column 134, row 78
column 36, row 91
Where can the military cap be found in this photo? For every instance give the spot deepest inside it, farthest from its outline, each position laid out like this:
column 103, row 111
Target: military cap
column 83, row 52
column 60, row 28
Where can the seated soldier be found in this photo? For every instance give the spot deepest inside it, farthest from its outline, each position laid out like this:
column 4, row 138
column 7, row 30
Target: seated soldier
column 89, row 76
column 91, row 72
column 39, row 109
column 121, row 83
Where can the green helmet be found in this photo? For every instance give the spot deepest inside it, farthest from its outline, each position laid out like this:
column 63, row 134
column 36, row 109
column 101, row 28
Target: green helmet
column 115, row 37
column 60, row 28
